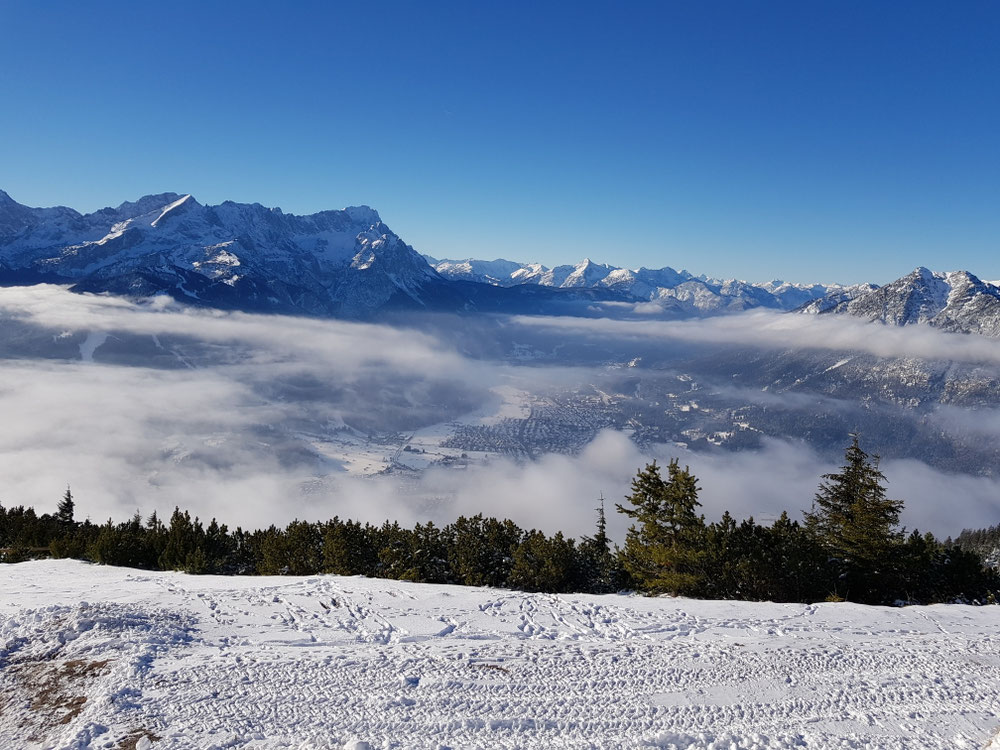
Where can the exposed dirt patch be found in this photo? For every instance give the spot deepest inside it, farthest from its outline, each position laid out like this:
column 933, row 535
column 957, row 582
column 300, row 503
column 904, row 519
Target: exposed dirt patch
column 56, row 692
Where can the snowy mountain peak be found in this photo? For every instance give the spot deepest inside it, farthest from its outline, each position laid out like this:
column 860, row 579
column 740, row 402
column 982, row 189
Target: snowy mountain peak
column 953, row 300
column 176, row 208
column 146, row 204
column 586, row 274
column 363, row 214
column 13, row 216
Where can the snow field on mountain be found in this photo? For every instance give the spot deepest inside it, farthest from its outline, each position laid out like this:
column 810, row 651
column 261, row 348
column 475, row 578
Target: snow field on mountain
column 98, row 657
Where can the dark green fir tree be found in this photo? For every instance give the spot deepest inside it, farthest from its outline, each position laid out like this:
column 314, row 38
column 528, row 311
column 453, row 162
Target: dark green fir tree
column 664, row 548
column 857, row 525
column 64, row 513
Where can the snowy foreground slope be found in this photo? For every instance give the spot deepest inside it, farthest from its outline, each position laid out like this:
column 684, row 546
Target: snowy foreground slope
column 168, row 660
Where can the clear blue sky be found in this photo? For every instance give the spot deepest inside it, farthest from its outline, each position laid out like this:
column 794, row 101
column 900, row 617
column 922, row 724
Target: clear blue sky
column 834, row 141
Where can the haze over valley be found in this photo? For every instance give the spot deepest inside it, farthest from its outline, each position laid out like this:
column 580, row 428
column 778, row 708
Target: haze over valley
column 438, row 395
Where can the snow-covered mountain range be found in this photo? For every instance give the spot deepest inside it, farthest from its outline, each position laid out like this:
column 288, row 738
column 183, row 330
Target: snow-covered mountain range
column 345, row 263
column 348, row 263
column 954, row 300
column 679, row 291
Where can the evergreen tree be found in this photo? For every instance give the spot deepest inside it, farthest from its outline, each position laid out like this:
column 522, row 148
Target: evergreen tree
column 65, row 510
column 984, row 542
column 242, row 556
column 849, row 545
column 600, row 572
column 920, row 578
column 304, row 543
column 272, row 552
column 664, row 548
column 297, row 550
column 797, row 563
column 548, row 564
column 182, row 543
column 395, row 553
column 483, row 550
column 854, row 521
column 428, row 554
column 74, row 543
column 725, row 563
column 218, row 548
column 123, row 544
column 349, row 548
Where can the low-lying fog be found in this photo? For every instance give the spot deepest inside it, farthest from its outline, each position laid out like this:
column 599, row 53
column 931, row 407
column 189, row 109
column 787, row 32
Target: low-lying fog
column 147, row 406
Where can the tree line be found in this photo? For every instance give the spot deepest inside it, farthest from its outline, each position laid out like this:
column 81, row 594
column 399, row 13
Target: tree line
column 984, row 542
column 848, row 546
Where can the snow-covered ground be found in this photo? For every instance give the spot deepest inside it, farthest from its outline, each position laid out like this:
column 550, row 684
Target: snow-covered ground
column 98, row 657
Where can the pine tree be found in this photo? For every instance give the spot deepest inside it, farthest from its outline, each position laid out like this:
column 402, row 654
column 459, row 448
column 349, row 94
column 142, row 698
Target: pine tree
column 350, row 548
column 428, row 554
column 64, row 513
column 664, row 550
column 482, row 553
column 797, row 562
column 297, row 550
column 182, row 539
column 600, row 572
column 218, row 548
column 724, row 563
column 857, row 524
column 395, row 553
column 543, row 563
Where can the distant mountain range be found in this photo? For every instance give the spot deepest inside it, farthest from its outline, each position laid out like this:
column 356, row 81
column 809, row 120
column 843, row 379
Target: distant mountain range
column 954, row 301
column 680, row 291
column 348, row 263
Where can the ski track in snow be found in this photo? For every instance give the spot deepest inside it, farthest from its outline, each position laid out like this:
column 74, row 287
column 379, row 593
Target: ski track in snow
column 328, row 662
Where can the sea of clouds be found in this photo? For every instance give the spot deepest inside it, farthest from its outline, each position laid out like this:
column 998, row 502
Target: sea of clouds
column 205, row 409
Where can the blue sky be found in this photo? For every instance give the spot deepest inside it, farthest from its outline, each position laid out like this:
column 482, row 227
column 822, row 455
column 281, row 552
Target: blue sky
column 812, row 141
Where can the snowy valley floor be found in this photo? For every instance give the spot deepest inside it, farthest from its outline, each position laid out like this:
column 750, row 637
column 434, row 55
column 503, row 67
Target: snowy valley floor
column 98, row 657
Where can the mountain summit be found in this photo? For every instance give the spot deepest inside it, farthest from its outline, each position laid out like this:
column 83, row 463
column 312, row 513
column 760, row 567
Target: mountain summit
column 952, row 301
column 248, row 256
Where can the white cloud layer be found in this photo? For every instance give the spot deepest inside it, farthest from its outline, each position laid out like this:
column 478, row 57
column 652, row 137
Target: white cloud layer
column 784, row 331
column 216, row 436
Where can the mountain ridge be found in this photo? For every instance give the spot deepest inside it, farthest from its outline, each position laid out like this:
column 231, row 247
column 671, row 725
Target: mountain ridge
column 339, row 263
column 689, row 294
column 955, row 301
column 349, row 263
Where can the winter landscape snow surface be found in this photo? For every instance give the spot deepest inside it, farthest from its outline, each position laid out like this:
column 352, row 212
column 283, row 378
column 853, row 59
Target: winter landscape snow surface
column 100, row 657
